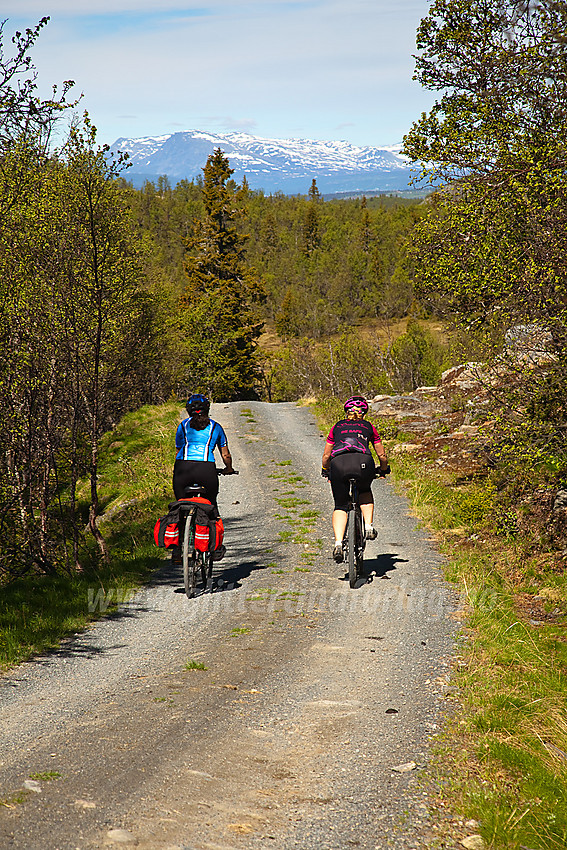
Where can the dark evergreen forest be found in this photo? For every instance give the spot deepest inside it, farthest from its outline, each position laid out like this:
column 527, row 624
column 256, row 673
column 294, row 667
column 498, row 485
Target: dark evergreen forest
column 334, row 279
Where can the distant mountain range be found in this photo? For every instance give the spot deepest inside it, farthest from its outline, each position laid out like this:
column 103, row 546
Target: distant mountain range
column 274, row 165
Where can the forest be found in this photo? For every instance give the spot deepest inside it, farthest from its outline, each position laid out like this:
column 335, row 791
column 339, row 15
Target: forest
column 115, row 297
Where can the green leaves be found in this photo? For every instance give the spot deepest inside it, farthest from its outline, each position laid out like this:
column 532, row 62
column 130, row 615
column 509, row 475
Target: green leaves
column 491, row 254
column 74, row 329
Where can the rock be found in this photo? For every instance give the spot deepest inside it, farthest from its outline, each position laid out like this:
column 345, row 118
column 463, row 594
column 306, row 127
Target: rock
column 466, row 372
column 466, row 431
column 560, row 500
column 529, row 345
column 450, row 374
column 474, row 842
column 85, row 804
column 402, row 448
column 405, row 768
column 32, row 785
column 121, row 836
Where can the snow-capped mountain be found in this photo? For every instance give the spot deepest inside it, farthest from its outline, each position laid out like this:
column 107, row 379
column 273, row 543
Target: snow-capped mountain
column 274, row 165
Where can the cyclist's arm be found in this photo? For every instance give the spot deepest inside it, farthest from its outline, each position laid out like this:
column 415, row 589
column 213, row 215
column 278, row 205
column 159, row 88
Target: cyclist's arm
column 326, row 455
column 227, row 458
column 380, row 450
column 179, row 437
column 381, row 453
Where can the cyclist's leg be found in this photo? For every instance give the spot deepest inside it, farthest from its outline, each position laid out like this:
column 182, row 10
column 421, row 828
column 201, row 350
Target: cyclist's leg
column 366, row 502
column 365, row 497
column 208, row 477
column 339, row 522
column 339, row 485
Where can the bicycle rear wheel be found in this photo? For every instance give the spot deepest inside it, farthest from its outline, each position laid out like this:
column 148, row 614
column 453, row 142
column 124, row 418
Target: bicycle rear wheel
column 207, row 570
column 188, row 558
column 360, row 543
column 351, row 539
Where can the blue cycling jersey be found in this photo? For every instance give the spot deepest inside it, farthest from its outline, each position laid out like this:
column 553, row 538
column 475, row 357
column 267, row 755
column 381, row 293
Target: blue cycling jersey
column 199, row 445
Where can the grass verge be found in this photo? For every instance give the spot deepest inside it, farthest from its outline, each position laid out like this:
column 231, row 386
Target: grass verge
column 37, row 612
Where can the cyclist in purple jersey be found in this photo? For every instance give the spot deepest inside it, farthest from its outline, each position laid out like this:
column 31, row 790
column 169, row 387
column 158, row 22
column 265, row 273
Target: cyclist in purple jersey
column 196, row 439
column 347, row 455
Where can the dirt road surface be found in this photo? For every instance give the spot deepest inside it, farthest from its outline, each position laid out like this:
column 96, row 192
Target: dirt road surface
column 311, row 725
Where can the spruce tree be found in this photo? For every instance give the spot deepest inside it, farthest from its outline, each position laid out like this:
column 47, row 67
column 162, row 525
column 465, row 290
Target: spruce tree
column 219, row 319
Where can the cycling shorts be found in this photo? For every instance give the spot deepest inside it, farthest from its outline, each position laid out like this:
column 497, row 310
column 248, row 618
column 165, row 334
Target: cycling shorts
column 356, row 465
column 202, row 472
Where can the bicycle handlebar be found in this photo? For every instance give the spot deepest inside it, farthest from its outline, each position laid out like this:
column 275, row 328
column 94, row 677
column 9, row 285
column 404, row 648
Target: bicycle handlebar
column 225, row 471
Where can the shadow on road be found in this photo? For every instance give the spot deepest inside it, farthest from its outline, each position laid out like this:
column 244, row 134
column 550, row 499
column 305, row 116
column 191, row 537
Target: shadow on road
column 231, row 577
column 382, row 564
column 241, row 560
column 378, row 568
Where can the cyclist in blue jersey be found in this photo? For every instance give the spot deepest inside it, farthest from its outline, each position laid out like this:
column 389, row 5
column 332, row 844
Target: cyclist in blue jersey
column 196, row 439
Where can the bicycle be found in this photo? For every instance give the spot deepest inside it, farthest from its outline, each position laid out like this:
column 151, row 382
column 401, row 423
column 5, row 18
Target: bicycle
column 193, row 560
column 354, row 540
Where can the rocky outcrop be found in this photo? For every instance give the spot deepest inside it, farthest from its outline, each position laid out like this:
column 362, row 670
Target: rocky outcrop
column 443, row 422
column 449, row 426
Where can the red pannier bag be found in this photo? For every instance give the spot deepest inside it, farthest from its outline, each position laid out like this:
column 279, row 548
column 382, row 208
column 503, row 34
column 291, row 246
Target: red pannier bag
column 209, row 528
column 166, row 529
column 168, row 533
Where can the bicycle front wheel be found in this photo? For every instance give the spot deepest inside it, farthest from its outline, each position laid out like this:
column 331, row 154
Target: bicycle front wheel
column 189, row 559
column 352, row 557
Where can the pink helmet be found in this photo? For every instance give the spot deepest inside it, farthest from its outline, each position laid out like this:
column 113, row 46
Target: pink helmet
column 357, row 402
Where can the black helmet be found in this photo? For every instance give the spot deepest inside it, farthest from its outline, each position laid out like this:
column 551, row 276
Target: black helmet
column 197, row 403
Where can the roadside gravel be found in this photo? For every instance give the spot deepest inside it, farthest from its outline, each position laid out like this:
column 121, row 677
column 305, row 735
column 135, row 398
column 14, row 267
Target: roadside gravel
column 312, row 696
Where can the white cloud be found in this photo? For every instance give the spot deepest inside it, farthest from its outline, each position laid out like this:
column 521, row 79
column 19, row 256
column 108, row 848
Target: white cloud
column 269, row 67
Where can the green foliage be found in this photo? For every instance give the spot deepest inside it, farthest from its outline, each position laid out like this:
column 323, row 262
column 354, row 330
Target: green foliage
column 351, row 364
column 491, row 252
column 324, row 264
column 476, row 504
column 195, row 665
column 36, row 612
column 416, row 359
column 503, row 759
column 76, row 325
column 219, row 319
column 330, row 264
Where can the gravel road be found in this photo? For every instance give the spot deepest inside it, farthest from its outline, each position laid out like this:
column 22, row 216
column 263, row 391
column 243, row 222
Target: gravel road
column 312, row 696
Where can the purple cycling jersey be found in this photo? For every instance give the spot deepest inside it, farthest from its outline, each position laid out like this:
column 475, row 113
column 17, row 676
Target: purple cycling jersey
column 349, row 436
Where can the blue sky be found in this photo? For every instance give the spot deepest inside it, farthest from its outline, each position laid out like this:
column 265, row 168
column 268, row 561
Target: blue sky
column 319, row 69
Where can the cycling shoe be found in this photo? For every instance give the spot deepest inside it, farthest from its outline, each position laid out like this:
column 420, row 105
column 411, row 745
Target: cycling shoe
column 338, row 553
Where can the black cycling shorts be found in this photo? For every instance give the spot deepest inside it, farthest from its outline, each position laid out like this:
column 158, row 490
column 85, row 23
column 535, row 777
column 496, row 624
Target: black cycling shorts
column 202, row 472
column 350, row 465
